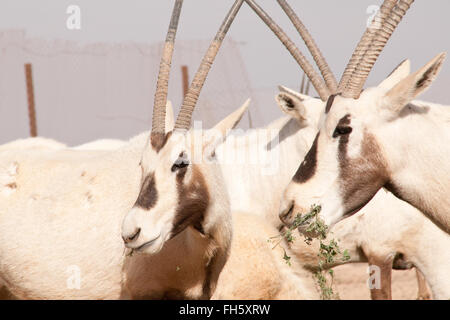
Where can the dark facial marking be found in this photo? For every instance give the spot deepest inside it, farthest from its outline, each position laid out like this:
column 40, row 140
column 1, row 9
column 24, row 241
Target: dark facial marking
column 343, row 140
column 344, row 122
column 159, row 139
column 193, row 201
column 148, row 195
column 181, row 163
column 330, row 103
column 362, row 177
column 309, row 164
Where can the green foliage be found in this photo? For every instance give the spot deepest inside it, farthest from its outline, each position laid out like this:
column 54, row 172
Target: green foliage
column 328, row 254
column 287, row 258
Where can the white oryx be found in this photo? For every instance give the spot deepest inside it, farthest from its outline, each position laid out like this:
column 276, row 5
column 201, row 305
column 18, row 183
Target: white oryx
column 33, row 143
column 48, row 222
column 60, row 220
column 262, row 161
column 377, row 138
column 182, row 187
column 256, row 270
column 384, row 237
column 60, row 214
column 355, row 153
column 295, row 133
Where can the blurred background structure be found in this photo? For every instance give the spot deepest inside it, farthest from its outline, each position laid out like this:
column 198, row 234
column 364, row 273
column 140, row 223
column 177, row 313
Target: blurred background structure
column 98, row 81
column 101, row 90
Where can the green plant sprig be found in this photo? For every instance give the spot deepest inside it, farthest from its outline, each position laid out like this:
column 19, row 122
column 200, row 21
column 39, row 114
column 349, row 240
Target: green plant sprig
column 328, row 252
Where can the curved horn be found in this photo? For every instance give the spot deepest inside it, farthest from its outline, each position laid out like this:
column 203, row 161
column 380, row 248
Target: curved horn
column 365, row 42
column 359, row 76
column 184, row 117
column 316, row 80
column 318, row 57
column 159, row 106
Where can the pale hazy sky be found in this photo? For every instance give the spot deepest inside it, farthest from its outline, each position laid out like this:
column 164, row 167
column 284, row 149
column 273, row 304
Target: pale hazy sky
column 336, row 26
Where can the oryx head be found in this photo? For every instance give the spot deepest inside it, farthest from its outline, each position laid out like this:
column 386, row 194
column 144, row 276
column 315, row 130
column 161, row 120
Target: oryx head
column 181, row 184
column 347, row 163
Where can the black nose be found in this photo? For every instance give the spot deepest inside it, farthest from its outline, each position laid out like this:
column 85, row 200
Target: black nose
column 130, row 238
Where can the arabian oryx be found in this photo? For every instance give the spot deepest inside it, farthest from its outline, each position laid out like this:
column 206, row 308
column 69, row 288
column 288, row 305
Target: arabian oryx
column 61, row 210
column 295, row 135
column 270, row 154
column 182, row 187
column 377, row 138
column 298, row 133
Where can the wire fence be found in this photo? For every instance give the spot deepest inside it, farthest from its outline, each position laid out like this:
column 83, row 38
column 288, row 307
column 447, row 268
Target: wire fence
column 104, row 90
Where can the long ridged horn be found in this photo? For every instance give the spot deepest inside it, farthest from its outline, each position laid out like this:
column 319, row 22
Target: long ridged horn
column 359, row 77
column 317, row 55
column 365, row 42
column 316, row 80
column 184, row 117
column 159, row 106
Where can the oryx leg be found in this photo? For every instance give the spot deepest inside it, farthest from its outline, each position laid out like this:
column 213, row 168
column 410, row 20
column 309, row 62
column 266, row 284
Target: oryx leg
column 424, row 292
column 383, row 292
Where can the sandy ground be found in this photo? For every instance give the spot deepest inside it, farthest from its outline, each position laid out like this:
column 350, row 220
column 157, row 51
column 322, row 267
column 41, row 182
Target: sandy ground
column 351, row 283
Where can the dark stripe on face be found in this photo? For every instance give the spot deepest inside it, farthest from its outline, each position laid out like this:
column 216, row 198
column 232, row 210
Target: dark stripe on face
column 330, row 103
column 343, row 139
column 148, row 195
column 309, row 164
column 193, row 201
column 360, row 178
column 159, row 139
column 344, row 121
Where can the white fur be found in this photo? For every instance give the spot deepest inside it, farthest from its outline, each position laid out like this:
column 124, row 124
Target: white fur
column 33, row 143
column 147, row 227
column 244, row 183
column 256, row 184
column 256, row 271
column 387, row 226
column 63, row 221
column 102, row 144
column 59, row 220
column 410, row 137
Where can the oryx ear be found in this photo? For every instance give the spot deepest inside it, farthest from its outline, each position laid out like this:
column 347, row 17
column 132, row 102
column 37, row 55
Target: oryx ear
column 299, row 95
column 398, row 74
column 291, row 105
column 170, row 122
column 413, row 85
column 219, row 133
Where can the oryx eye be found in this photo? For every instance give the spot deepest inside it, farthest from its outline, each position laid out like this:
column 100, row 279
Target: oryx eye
column 341, row 131
column 181, row 162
